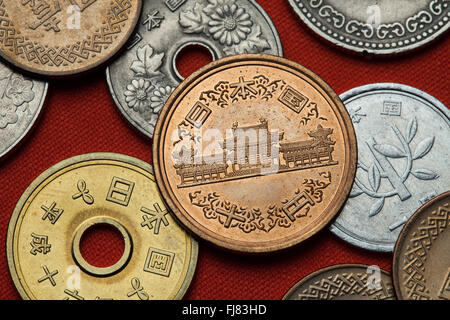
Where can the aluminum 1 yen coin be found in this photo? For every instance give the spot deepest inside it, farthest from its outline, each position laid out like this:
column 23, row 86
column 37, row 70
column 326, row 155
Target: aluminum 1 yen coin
column 62, row 38
column 254, row 153
column 421, row 267
column 377, row 27
column 49, row 220
column 403, row 161
column 344, row 282
column 21, row 102
column 142, row 79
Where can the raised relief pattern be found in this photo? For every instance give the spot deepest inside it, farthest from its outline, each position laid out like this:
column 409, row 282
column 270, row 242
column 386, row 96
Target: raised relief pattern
column 154, row 218
column 413, row 270
column 83, row 193
column 346, row 284
column 238, row 161
column 48, row 276
column 226, row 22
column 382, row 168
column 138, row 290
column 145, row 94
column 444, row 293
column 39, row 244
column 120, row 191
column 153, row 20
column 401, row 33
column 283, row 215
column 16, row 94
column 14, row 41
column 52, row 213
column 159, row 262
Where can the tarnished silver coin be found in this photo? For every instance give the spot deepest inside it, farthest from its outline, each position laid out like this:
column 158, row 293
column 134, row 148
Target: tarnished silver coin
column 21, row 100
column 143, row 78
column 376, row 27
column 403, row 139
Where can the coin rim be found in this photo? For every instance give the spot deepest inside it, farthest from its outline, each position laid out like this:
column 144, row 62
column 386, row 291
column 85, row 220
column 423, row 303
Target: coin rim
column 69, row 162
column 305, row 279
column 134, row 123
column 402, row 238
column 359, row 50
column 335, row 204
column 32, row 122
column 78, row 71
column 372, row 88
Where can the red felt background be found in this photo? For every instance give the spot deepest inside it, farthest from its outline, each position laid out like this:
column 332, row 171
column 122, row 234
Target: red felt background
column 80, row 117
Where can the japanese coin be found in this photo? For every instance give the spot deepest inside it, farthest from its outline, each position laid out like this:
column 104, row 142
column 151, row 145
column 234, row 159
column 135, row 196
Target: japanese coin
column 43, row 241
column 403, row 154
column 421, row 267
column 21, row 101
column 344, row 282
column 254, row 153
column 377, row 27
column 60, row 37
column 143, row 78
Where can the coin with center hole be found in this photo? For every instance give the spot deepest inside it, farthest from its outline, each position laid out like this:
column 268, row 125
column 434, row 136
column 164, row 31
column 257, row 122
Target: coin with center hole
column 62, row 38
column 142, row 79
column 254, row 153
column 403, row 153
column 421, row 267
column 344, row 282
column 379, row 27
column 64, row 202
column 21, row 100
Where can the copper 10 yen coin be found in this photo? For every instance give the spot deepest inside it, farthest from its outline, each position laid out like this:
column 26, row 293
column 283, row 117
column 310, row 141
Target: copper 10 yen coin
column 61, row 38
column 254, row 153
column 421, row 266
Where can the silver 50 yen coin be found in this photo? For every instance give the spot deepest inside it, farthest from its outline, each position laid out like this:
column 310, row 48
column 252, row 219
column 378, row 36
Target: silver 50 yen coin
column 21, row 100
column 377, row 27
column 143, row 78
column 403, row 139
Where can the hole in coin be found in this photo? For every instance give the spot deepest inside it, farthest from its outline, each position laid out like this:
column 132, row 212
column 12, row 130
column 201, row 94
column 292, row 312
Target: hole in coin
column 102, row 245
column 191, row 58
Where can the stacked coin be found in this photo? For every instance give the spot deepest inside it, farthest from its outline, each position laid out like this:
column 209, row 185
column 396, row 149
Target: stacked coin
column 253, row 152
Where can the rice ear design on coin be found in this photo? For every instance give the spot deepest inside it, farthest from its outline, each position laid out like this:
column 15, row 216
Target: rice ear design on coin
column 381, row 153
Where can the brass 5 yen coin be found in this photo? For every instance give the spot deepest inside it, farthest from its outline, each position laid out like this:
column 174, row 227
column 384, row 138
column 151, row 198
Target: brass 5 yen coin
column 61, row 37
column 421, row 267
column 64, row 202
column 254, row 153
column 344, row 282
